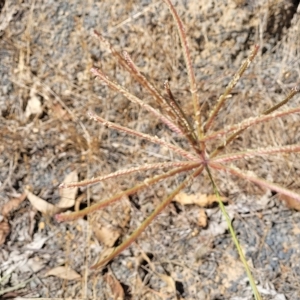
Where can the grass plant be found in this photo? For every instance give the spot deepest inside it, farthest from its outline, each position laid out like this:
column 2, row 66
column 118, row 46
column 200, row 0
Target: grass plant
column 197, row 131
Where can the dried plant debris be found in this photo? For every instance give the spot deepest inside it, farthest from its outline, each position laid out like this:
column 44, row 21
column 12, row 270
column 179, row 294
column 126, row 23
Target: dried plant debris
column 46, row 90
column 116, row 288
column 4, row 231
column 21, row 259
column 67, row 198
column 34, row 105
column 63, row 272
column 108, row 225
column 198, row 134
column 42, row 205
column 59, row 112
column 8, row 208
column 12, row 205
column 290, row 202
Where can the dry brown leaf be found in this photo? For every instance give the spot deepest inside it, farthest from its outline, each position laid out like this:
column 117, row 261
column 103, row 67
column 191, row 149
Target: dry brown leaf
column 290, row 202
column 201, row 200
column 106, row 235
column 115, row 286
column 107, row 224
column 12, row 204
column 68, row 196
column 202, row 220
column 4, row 231
column 63, row 272
column 60, row 113
column 42, row 205
column 171, row 287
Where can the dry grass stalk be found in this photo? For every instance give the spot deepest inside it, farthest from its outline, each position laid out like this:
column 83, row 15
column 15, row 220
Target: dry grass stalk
column 196, row 159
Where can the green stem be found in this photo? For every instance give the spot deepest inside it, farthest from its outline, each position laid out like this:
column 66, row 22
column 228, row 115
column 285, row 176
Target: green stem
column 234, row 238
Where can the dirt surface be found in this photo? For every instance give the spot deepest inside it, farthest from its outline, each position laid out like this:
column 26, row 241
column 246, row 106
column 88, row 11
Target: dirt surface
column 46, row 51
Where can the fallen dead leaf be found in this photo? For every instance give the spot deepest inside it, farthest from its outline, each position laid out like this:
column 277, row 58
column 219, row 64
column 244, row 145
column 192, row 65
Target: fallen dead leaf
column 6, row 209
column 68, row 196
column 12, row 204
column 201, row 200
column 42, row 205
column 106, row 235
column 63, row 272
column 107, row 225
column 60, row 113
column 290, row 202
column 4, row 231
column 115, row 286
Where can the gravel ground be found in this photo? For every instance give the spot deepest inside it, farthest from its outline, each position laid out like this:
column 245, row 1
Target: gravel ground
column 46, row 51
